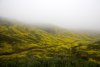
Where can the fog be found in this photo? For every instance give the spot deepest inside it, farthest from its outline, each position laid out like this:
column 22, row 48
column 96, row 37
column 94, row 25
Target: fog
column 70, row 14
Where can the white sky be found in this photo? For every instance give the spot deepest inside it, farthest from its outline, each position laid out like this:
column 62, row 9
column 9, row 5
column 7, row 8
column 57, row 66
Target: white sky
column 72, row 14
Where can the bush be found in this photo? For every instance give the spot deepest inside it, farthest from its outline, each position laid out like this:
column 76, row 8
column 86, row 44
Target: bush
column 51, row 62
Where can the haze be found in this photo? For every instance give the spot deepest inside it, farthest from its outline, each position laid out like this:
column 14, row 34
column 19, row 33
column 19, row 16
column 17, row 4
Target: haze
column 71, row 14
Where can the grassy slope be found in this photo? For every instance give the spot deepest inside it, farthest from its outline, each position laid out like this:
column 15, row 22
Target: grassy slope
column 20, row 41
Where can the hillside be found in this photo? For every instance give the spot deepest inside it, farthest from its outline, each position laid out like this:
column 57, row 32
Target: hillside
column 19, row 41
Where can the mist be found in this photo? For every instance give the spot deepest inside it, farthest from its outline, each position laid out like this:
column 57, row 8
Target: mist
column 70, row 14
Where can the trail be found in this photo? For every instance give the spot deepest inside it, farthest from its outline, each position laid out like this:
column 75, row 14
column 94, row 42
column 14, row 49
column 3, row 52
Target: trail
column 6, row 54
column 27, row 50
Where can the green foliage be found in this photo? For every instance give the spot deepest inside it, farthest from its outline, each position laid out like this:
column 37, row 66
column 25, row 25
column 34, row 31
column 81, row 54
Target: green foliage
column 51, row 62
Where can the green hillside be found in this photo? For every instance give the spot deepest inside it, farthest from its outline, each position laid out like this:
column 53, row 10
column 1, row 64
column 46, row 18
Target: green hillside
column 27, row 45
